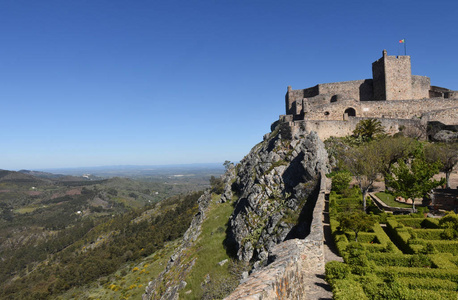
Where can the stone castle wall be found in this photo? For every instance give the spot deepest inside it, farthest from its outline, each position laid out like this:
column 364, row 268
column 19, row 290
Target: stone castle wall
column 420, row 87
column 334, row 128
column 405, row 109
column 393, row 94
column 398, row 77
column 445, row 116
column 356, row 89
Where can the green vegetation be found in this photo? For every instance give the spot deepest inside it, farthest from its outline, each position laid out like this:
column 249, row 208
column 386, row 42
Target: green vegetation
column 129, row 281
column 84, row 249
column 341, row 181
column 413, row 259
column 367, row 130
column 413, row 180
column 207, row 279
column 355, row 221
column 388, row 199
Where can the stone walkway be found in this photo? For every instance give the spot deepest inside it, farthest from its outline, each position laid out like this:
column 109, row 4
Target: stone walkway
column 322, row 290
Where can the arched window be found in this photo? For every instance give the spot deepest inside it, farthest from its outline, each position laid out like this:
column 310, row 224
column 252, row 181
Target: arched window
column 351, row 112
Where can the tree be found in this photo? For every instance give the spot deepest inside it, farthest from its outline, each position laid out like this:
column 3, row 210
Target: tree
column 217, row 185
column 413, row 179
column 341, row 181
column 447, row 154
column 227, row 164
column 355, row 221
column 365, row 163
column 368, row 129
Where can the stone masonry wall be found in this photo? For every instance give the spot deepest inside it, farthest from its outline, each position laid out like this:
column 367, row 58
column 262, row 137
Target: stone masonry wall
column 420, row 87
column 403, row 109
column 446, row 116
column 378, row 77
column 356, row 89
column 297, row 95
column 327, row 129
column 398, row 78
column 295, row 264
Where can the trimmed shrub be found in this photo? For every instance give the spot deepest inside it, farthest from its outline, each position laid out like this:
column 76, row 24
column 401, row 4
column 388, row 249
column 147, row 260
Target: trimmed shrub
column 444, row 261
column 416, row 272
column 445, row 246
column 430, row 223
column 363, row 237
column 434, row 284
column 428, row 234
column 337, row 270
column 400, row 260
column 411, row 222
column 345, row 289
column 400, row 236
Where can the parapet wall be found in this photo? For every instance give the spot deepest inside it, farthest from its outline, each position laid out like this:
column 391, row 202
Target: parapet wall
column 445, row 116
column 295, row 265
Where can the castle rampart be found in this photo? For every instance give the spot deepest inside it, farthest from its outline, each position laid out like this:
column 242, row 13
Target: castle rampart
column 403, row 109
column 393, row 94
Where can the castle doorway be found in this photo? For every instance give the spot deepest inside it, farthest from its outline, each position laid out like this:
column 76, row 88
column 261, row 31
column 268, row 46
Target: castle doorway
column 351, row 112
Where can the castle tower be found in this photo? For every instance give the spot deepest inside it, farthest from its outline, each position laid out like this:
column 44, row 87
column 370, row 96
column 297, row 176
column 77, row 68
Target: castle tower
column 392, row 78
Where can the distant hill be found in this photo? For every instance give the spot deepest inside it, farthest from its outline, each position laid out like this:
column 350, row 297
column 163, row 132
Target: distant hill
column 136, row 171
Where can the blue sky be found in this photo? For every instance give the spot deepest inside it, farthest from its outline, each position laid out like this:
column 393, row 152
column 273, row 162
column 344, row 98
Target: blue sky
column 93, row 83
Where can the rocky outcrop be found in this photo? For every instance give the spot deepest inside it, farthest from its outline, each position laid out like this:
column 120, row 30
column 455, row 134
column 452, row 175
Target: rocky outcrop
column 164, row 287
column 228, row 179
column 445, row 136
column 296, row 267
column 277, row 184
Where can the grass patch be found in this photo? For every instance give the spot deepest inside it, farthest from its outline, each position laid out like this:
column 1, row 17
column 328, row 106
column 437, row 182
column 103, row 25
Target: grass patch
column 388, row 199
column 209, row 251
column 24, row 210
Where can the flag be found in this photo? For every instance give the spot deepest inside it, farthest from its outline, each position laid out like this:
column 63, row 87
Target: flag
column 402, row 41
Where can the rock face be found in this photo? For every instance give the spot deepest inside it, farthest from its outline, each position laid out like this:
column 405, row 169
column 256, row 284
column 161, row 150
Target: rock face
column 445, row 136
column 274, row 183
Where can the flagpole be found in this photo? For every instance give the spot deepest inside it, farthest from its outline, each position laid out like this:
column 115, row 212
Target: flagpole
column 405, row 47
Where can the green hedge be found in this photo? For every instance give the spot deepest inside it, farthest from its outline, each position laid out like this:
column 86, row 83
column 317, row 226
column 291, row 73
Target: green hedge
column 411, row 222
column 445, row 246
column 434, row 284
column 427, row 234
column 425, row 294
column 363, row 237
column 341, row 244
column 399, row 235
column 401, row 260
column 375, row 248
column 346, row 289
column 416, row 272
column 444, row 261
column 337, row 270
column 385, row 240
column 430, row 223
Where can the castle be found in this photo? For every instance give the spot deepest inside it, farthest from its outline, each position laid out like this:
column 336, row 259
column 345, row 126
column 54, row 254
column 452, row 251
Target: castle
column 400, row 100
